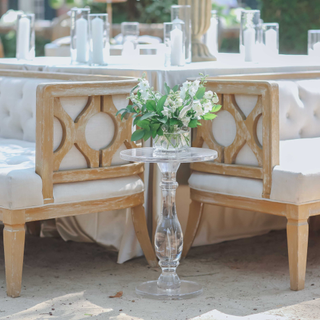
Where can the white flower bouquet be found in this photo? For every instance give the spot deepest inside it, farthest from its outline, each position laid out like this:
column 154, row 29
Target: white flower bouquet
column 164, row 116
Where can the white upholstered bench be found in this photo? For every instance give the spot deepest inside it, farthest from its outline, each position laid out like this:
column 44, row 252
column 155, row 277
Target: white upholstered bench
column 59, row 156
column 268, row 138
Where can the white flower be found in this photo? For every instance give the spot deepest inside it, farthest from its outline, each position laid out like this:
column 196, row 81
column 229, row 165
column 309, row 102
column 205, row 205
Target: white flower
column 185, row 121
column 197, row 107
column 208, row 94
column 158, row 96
column 194, row 88
column 144, row 84
column 184, row 89
column 207, row 107
column 179, row 102
column 215, row 98
column 166, row 112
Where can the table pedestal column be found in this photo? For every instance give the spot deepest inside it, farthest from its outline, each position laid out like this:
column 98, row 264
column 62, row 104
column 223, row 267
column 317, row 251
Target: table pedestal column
column 168, row 245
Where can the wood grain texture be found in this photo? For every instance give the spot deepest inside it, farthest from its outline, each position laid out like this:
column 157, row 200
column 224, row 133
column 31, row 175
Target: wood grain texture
column 13, row 241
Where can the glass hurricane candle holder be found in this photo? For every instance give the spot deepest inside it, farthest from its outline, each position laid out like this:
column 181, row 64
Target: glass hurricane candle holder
column 271, row 38
column 173, row 39
column 25, row 48
column 250, row 22
column 79, row 31
column 211, row 37
column 183, row 13
column 99, row 39
column 314, row 43
column 130, row 35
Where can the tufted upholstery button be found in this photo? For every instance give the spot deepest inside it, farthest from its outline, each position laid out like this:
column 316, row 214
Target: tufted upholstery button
column 300, row 132
column 314, row 113
column 287, row 115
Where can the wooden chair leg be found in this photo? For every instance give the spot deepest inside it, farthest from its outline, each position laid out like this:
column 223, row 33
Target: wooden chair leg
column 140, row 226
column 297, row 238
column 195, row 213
column 13, row 240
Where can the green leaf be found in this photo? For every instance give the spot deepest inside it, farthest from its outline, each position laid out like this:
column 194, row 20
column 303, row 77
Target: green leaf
column 120, row 111
column 175, row 88
column 136, row 120
column 166, row 89
column 137, row 135
column 216, row 108
column 151, row 105
column 147, row 115
column 193, row 123
column 160, row 104
column 163, row 120
column 123, row 114
column 200, row 93
column 173, row 121
column 145, row 124
column 160, row 132
column 147, row 135
column 155, row 126
column 209, row 116
column 154, row 133
column 131, row 109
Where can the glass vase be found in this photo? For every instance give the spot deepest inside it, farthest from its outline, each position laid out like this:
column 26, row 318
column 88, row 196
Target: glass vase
column 249, row 33
column 183, row 13
column 211, row 37
column 130, row 35
column 314, row 43
column 271, row 39
column 99, row 39
column 25, row 37
column 79, row 32
column 177, row 140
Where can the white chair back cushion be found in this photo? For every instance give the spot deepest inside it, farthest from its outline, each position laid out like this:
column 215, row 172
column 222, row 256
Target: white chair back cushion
column 18, row 119
column 18, row 107
column 299, row 116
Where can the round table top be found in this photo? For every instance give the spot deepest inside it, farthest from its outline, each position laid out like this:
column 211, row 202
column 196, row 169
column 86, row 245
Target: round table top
column 149, row 155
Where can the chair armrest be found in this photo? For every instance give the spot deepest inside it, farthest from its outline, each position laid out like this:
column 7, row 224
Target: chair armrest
column 99, row 96
column 267, row 154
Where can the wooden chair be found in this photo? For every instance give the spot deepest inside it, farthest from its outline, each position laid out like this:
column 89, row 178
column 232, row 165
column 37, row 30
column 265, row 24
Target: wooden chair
column 48, row 179
column 268, row 156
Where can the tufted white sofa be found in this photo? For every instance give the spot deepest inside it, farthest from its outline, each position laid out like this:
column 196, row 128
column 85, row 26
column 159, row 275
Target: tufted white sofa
column 268, row 137
column 59, row 156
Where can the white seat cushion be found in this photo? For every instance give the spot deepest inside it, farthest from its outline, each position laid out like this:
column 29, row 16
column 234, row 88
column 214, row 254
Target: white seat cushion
column 295, row 180
column 21, row 187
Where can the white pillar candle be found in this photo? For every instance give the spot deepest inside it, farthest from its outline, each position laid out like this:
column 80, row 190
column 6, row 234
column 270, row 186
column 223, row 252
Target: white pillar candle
column 82, row 39
column 23, row 43
column 177, row 54
column 97, row 40
column 249, row 39
column 212, row 36
column 271, row 40
column 316, row 49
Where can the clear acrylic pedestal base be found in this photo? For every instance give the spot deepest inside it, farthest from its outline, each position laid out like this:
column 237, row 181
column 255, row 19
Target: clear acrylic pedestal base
column 187, row 290
column 168, row 239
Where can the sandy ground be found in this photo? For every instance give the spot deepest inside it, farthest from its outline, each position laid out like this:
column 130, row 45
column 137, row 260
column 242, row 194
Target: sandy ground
column 245, row 278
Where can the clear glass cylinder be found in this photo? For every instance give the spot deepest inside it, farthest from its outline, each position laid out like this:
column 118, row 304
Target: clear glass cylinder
column 314, row 43
column 130, row 35
column 271, row 38
column 211, row 37
column 99, row 39
column 250, row 24
column 176, row 141
column 175, row 46
column 79, row 32
column 183, row 12
column 25, row 35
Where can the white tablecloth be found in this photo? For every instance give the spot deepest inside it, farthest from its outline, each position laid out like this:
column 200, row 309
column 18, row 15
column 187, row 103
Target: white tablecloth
column 218, row 224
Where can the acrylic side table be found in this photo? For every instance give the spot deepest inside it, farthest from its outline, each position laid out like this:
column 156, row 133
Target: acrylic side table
column 168, row 237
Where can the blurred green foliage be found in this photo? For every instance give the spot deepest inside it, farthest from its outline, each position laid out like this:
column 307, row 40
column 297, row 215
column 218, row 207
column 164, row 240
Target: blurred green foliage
column 9, row 44
column 295, row 18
